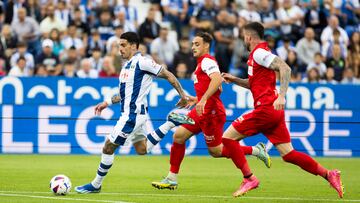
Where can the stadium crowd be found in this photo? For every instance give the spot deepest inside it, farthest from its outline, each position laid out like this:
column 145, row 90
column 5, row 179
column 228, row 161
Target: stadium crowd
column 320, row 40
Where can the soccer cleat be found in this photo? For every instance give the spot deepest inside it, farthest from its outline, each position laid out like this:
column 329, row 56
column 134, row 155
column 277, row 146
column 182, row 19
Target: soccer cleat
column 247, row 185
column 179, row 119
column 263, row 155
column 165, row 184
column 88, row 188
column 335, row 181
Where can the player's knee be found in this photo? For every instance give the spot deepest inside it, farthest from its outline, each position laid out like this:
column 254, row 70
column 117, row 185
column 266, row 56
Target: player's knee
column 178, row 138
column 141, row 151
column 109, row 148
column 215, row 154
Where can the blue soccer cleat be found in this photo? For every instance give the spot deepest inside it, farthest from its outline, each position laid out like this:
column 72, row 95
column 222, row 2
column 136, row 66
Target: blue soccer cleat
column 179, row 119
column 165, row 184
column 88, row 188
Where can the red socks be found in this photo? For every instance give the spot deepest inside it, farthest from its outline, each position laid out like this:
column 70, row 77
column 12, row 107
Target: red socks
column 246, row 149
column 305, row 162
column 177, row 154
column 237, row 155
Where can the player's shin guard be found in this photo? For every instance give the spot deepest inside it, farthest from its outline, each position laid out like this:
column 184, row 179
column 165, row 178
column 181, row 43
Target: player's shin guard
column 305, row 162
column 176, row 156
column 246, row 149
column 157, row 135
column 237, row 155
column 105, row 164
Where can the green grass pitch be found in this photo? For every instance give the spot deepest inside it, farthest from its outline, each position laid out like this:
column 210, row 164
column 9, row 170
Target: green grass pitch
column 25, row 178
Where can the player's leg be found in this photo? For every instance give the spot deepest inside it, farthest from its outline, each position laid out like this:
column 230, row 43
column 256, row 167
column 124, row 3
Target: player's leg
column 177, row 154
column 307, row 163
column 173, row 119
column 230, row 141
column 107, row 159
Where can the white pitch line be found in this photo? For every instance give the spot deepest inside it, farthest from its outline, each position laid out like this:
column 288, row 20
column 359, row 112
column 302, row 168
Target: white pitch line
column 59, row 198
column 200, row 196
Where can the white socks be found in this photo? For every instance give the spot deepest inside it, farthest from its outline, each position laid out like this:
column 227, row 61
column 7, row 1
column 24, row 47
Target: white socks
column 105, row 165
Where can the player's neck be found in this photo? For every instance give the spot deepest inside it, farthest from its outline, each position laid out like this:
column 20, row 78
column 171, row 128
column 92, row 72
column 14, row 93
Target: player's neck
column 254, row 44
column 132, row 54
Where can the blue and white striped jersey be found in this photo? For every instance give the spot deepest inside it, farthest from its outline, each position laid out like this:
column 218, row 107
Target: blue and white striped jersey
column 135, row 82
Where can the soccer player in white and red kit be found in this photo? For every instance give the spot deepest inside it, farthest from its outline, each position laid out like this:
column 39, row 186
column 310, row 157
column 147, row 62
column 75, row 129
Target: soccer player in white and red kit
column 208, row 114
column 268, row 116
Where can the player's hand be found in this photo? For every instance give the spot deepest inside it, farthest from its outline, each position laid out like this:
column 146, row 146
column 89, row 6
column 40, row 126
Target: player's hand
column 228, row 78
column 183, row 102
column 200, row 107
column 191, row 102
column 279, row 103
column 101, row 106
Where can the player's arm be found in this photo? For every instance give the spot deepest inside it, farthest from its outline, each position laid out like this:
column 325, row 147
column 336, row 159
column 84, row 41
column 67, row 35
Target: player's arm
column 269, row 60
column 228, row 78
column 101, row 106
column 164, row 73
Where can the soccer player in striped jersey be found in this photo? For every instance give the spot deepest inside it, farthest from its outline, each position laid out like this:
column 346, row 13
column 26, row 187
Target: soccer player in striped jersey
column 135, row 81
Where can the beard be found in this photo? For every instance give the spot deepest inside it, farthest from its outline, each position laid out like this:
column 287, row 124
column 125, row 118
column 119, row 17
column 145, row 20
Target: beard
column 247, row 45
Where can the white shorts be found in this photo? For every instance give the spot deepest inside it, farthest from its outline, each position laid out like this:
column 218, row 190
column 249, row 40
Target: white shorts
column 131, row 126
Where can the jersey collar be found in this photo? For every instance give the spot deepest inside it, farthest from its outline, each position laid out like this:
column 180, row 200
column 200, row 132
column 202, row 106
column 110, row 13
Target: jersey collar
column 202, row 57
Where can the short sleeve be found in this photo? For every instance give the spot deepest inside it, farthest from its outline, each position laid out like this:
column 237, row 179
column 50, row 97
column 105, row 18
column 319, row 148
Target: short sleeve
column 209, row 66
column 149, row 66
column 263, row 57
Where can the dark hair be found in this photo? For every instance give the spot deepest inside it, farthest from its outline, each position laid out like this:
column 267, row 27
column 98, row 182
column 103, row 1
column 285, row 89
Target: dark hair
column 131, row 37
column 255, row 27
column 21, row 58
column 205, row 36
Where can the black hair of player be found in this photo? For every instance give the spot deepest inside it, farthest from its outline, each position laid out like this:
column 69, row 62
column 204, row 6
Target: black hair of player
column 131, row 37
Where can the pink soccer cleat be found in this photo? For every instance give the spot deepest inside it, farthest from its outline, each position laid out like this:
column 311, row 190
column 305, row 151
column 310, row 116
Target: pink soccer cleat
column 247, row 185
column 335, row 182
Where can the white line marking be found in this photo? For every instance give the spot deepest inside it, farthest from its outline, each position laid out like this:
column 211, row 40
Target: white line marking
column 59, row 198
column 193, row 196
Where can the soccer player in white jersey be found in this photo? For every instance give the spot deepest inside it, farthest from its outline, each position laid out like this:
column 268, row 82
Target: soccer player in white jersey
column 135, row 82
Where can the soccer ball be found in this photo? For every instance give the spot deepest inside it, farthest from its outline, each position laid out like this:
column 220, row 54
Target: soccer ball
column 60, row 185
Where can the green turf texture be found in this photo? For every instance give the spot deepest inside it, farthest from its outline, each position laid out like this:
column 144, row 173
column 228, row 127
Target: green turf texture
column 202, row 179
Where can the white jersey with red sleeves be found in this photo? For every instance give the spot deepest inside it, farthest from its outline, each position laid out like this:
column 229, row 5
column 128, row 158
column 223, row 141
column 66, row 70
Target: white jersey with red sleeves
column 262, row 80
column 207, row 65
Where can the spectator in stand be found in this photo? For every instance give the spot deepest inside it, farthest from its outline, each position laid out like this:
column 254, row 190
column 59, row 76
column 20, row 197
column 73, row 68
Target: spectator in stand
column 291, row 17
column 8, row 44
column 337, row 62
column 62, row 12
column 185, row 56
column 131, row 13
column 27, row 30
column 315, row 17
column 116, row 58
column 58, row 47
column 69, row 70
column 224, row 36
column 349, row 77
column 71, row 55
column 41, row 70
column 307, row 47
column 313, row 76
column 327, row 33
column 2, row 67
column 48, row 58
column 283, row 50
column 318, row 64
column 83, row 28
column 149, row 29
column 144, row 51
column 22, row 52
column 12, row 7
column 19, row 69
column 269, row 19
column 226, row 5
column 51, row 22
column 249, row 14
column 71, row 40
column 175, row 12
column 347, row 11
column 33, row 10
column 240, row 57
column 86, row 70
column 96, row 60
column 353, row 58
column 293, row 62
column 76, row 4
column 104, row 6
column 105, row 26
column 328, row 45
column 182, row 71
column 127, row 25
column 114, row 39
column 108, row 69
column 329, row 76
column 203, row 17
column 96, row 42
column 163, row 48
